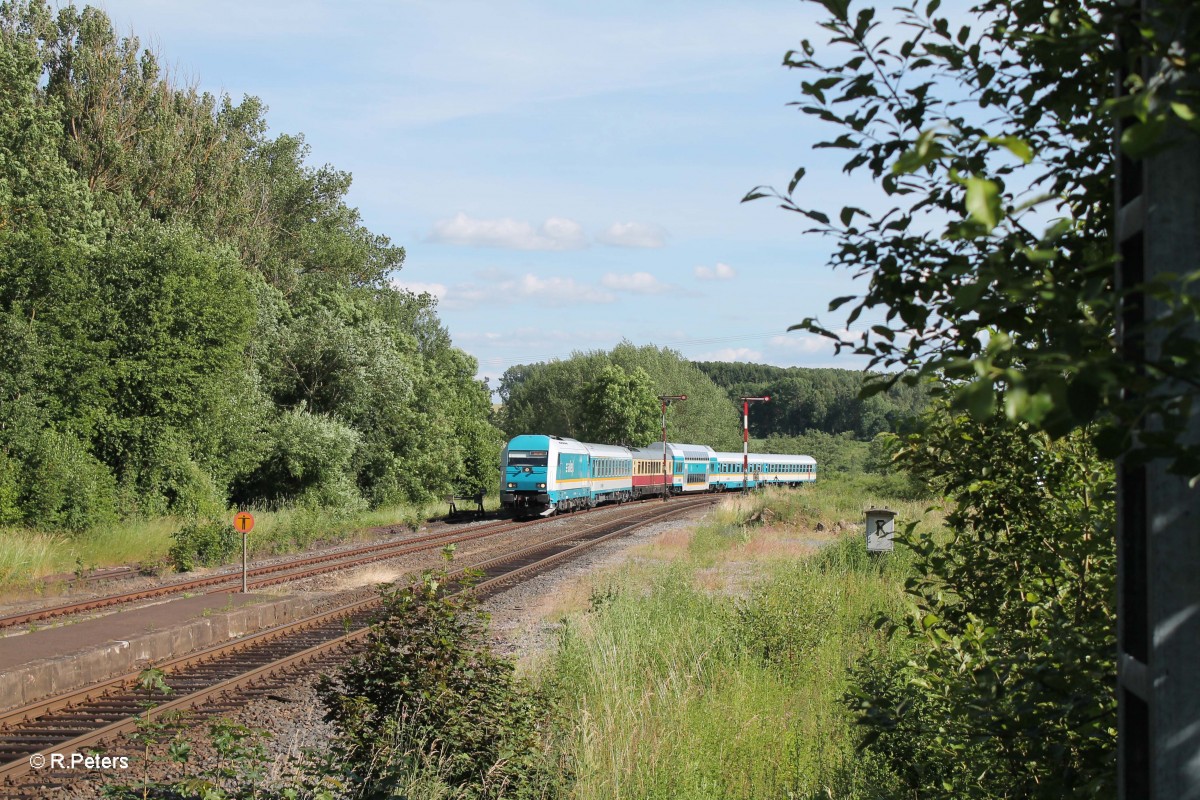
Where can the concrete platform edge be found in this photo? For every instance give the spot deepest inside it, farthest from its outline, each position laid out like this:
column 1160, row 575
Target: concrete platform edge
column 38, row 680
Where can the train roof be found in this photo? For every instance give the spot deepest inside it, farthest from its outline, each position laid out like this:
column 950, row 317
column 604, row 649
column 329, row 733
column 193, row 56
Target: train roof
column 606, row 450
column 777, row 458
column 675, row 450
column 540, row 441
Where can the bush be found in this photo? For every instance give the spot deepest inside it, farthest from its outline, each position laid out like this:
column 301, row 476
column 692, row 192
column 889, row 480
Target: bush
column 783, row 620
column 309, row 460
column 10, row 490
column 66, row 486
column 429, row 696
column 205, row 543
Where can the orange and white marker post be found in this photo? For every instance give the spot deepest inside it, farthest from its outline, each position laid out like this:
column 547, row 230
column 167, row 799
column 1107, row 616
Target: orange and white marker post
column 243, row 521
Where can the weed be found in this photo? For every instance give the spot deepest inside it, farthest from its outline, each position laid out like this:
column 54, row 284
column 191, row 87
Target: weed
column 671, row 687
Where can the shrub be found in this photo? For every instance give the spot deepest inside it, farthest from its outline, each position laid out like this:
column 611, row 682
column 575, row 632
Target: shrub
column 428, row 695
column 66, row 486
column 206, row 543
column 784, row 619
column 309, row 459
column 10, row 490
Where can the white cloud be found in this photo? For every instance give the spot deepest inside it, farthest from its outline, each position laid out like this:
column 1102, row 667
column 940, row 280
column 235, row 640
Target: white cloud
column 721, row 272
column 438, row 290
column 633, row 234
column 635, row 283
column 556, row 233
column 552, row 291
column 731, row 354
column 558, row 291
column 803, row 344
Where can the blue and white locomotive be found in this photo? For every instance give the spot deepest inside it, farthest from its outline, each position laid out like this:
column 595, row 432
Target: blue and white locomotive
column 543, row 474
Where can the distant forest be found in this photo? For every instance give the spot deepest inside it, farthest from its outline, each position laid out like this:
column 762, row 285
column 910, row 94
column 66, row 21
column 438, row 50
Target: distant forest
column 807, row 400
column 611, row 397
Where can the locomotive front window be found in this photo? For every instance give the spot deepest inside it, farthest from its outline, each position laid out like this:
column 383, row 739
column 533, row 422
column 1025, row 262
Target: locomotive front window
column 533, row 458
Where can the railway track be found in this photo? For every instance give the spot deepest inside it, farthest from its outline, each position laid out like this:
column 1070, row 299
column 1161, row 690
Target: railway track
column 96, row 716
column 270, row 575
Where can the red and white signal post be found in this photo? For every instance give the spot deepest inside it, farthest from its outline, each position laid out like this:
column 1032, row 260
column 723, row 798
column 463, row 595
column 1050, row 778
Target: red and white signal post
column 746, row 401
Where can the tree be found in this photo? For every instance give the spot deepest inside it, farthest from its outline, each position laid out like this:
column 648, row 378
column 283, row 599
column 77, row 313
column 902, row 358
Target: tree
column 1008, row 690
column 188, row 309
column 804, row 400
column 551, row 398
column 620, row 407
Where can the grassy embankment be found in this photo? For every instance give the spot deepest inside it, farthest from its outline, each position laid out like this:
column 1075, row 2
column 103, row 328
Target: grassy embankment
column 713, row 664
column 27, row 555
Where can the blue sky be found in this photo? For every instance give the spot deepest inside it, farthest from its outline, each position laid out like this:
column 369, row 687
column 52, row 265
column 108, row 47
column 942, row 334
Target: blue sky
column 562, row 174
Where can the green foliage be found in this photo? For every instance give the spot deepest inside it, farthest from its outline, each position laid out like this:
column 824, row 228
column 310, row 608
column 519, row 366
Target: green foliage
column 309, row 456
column 815, row 400
column 173, row 284
column 204, row 543
column 1009, row 689
column 428, row 678
column 65, row 486
column 620, row 407
column 992, row 255
column 552, row 397
column 783, row 621
column 674, row 689
column 10, row 490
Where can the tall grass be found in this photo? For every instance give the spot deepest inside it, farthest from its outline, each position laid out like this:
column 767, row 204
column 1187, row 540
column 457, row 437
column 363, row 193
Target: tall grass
column 28, row 556
column 673, row 691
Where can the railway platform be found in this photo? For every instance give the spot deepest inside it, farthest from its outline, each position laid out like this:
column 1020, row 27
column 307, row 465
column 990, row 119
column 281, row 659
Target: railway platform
column 66, row 657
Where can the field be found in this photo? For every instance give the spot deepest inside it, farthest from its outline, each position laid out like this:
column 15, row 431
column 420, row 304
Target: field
column 714, row 662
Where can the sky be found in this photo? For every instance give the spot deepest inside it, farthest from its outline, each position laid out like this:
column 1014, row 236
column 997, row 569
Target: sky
column 562, row 175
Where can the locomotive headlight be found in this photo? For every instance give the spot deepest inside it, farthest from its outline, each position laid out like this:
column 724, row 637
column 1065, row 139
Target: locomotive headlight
column 512, row 486
column 541, row 486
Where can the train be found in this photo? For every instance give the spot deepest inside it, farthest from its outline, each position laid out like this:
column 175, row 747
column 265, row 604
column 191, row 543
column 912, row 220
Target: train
column 542, row 474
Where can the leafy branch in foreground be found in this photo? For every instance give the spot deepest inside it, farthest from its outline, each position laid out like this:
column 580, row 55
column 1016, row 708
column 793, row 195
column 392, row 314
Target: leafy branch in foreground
column 994, row 259
column 1008, row 688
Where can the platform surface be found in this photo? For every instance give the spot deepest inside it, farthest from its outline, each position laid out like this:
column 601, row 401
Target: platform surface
column 68, row 638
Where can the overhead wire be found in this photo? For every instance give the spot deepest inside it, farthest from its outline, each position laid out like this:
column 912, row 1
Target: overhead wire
column 678, row 343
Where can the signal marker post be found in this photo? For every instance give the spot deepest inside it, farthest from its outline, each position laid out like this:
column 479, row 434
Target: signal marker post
column 243, row 521
column 746, row 401
column 666, row 400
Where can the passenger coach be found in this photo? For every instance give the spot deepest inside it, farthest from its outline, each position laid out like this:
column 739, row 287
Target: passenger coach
column 765, row 470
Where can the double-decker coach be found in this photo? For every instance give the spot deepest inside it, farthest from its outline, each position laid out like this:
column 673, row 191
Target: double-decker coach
column 688, row 468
